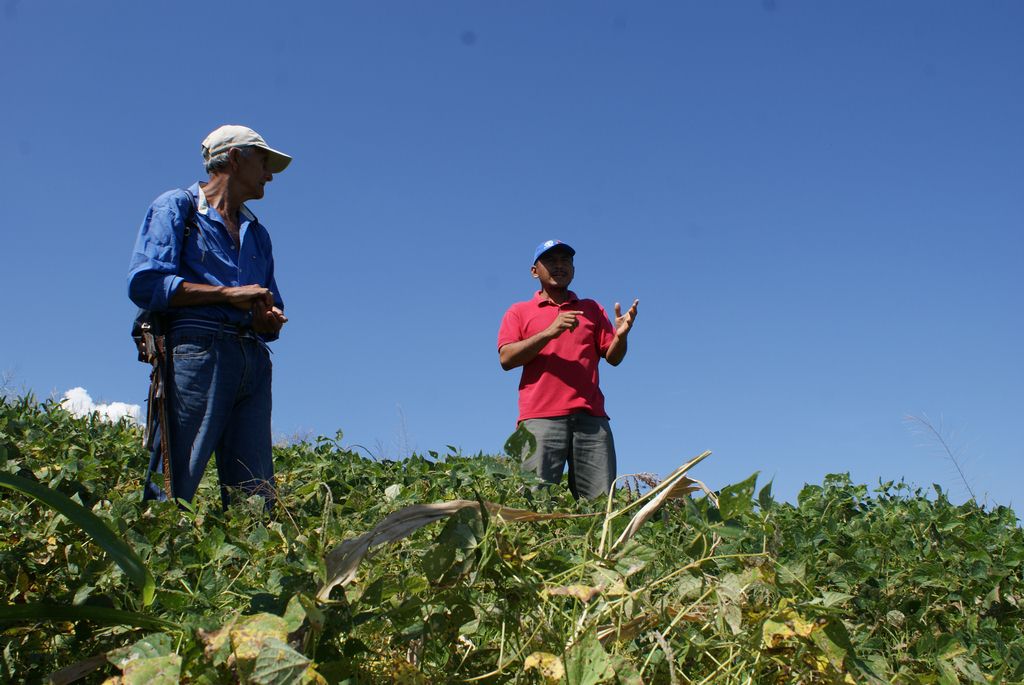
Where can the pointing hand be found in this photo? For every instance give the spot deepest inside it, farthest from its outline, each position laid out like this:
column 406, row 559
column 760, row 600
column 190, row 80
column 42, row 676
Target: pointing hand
column 565, row 321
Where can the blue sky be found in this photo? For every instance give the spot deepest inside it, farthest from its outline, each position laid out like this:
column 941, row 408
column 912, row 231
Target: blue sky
column 819, row 205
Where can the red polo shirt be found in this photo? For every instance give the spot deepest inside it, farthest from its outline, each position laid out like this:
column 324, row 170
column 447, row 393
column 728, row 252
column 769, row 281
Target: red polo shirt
column 562, row 378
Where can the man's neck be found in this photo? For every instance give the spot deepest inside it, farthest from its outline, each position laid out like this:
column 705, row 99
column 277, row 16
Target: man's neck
column 556, row 295
column 219, row 195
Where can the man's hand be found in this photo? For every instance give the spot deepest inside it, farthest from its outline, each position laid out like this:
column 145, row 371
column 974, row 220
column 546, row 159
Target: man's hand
column 523, row 352
column 623, row 322
column 267, row 321
column 247, row 297
column 565, row 321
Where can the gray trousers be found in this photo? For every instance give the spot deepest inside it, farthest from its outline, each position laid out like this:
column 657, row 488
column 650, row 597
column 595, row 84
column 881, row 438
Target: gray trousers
column 584, row 441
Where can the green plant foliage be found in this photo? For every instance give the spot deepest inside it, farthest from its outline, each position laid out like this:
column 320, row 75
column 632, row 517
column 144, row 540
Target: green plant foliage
column 521, row 444
column 847, row 585
column 586, row 662
column 91, row 524
column 150, row 661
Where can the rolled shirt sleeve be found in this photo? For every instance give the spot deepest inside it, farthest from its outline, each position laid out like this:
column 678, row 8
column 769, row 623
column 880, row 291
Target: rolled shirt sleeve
column 152, row 274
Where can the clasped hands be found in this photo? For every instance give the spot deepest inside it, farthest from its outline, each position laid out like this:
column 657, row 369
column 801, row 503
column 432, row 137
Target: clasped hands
column 266, row 317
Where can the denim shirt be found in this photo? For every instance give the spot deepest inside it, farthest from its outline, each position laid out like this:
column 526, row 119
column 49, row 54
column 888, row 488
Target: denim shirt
column 160, row 264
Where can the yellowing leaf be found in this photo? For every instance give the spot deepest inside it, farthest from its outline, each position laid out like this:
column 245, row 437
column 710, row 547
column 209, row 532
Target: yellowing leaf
column 784, row 625
column 547, row 665
column 584, row 593
column 263, row 656
column 160, row 670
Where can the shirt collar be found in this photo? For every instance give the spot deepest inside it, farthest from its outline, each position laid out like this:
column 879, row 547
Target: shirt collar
column 203, row 207
column 541, row 299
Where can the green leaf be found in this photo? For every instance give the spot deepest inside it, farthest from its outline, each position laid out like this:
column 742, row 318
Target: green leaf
column 764, row 497
column 835, row 642
column 496, row 469
column 736, row 500
column 732, row 616
column 689, row 587
column 279, row 664
column 521, row 444
column 160, row 670
column 586, row 662
column 121, row 553
column 830, row 598
column 625, row 671
column 49, row 613
column 263, row 656
column 156, row 645
column 294, row 614
column 970, row 670
column 150, row 661
column 438, row 560
column 793, row 573
column 834, row 645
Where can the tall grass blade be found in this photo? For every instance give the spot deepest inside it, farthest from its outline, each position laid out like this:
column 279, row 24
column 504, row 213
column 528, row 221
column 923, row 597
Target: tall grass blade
column 50, row 613
column 118, row 549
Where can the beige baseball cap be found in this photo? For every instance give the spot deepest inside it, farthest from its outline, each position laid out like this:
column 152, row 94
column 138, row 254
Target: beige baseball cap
column 226, row 137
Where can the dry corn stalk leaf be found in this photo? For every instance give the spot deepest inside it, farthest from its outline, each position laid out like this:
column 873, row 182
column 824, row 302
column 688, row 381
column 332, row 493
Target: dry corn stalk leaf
column 343, row 561
column 675, row 486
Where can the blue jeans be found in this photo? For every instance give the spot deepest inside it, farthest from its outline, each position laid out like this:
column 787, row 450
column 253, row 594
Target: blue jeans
column 218, row 401
column 584, row 441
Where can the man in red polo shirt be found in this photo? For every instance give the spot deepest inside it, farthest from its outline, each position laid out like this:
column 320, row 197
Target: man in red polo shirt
column 559, row 339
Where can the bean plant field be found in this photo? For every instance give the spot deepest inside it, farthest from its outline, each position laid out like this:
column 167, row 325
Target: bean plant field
column 447, row 568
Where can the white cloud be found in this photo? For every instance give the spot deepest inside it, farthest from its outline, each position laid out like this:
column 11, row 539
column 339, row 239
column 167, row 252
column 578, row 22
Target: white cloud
column 78, row 402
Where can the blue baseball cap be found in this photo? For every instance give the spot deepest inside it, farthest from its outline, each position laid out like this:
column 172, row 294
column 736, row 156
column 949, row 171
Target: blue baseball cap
column 550, row 245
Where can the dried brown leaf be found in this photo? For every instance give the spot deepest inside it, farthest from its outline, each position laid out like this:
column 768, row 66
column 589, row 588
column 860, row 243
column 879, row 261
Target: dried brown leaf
column 675, row 486
column 343, row 561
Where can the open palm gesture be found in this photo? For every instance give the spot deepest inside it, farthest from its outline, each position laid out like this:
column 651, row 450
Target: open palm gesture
column 623, row 322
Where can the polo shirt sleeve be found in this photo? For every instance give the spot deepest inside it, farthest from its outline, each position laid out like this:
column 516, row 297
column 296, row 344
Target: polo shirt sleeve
column 153, row 273
column 604, row 331
column 511, row 329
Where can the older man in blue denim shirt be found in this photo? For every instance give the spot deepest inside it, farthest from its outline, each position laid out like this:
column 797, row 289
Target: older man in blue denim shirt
column 203, row 259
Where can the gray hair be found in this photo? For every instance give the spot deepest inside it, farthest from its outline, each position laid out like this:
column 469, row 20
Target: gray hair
column 220, row 162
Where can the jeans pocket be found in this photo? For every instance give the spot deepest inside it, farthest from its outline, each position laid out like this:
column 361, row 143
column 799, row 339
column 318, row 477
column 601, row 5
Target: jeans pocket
column 191, row 346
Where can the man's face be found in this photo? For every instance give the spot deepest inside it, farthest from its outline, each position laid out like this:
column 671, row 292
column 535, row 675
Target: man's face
column 251, row 173
column 554, row 268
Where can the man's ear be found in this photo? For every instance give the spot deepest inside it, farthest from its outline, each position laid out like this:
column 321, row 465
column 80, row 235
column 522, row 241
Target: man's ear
column 533, row 271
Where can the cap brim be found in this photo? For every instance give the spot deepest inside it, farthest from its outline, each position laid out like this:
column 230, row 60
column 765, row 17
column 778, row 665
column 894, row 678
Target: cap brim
column 559, row 246
column 277, row 161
